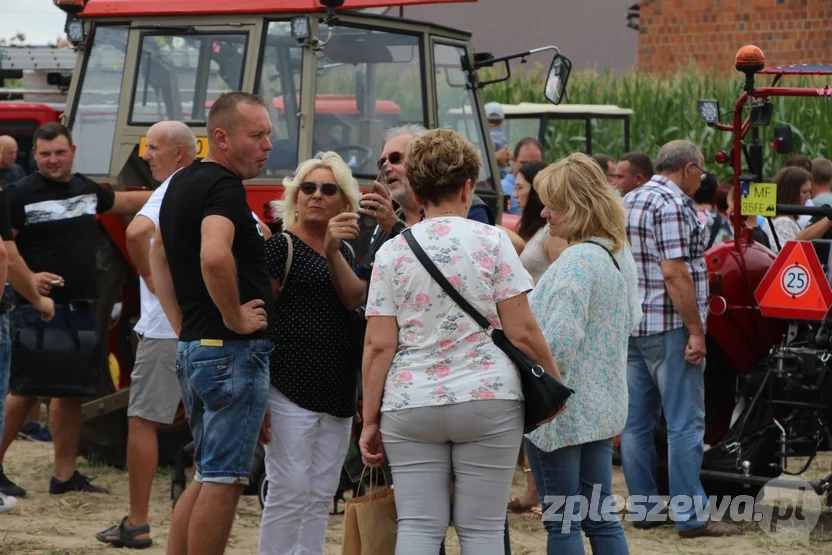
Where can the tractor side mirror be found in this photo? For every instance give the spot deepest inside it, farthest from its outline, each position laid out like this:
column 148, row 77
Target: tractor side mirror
column 557, row 78
column 783, row 143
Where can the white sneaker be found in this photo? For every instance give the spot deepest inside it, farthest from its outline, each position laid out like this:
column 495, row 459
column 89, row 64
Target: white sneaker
column 7, row 503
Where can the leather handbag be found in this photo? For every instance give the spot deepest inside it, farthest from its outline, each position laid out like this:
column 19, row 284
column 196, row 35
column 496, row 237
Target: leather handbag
column 545, row 396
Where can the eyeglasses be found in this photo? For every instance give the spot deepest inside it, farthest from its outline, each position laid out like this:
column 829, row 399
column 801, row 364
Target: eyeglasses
column 328, row 189
column 701, row 177
column 393, row 158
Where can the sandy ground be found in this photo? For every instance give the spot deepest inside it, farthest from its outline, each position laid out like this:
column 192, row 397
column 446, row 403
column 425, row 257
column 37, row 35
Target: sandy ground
column 63, row 525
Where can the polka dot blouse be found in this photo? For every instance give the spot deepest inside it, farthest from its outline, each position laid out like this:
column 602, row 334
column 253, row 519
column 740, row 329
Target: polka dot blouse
column 312, row 363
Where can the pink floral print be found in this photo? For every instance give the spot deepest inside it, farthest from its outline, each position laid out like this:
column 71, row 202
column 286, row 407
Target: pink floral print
column 443, row 356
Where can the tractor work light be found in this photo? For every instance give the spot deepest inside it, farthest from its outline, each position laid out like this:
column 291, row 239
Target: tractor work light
column 300, row 28
column 74, row 30
column 709, row 111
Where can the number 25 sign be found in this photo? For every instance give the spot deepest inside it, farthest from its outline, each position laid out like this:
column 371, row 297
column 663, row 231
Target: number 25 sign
column 795, row 280
column 795, row 286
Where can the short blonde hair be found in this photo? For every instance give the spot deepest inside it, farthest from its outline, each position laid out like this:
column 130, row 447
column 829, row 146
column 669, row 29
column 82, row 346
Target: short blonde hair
column 285, row 208
column 439, row 163
column 576, row 187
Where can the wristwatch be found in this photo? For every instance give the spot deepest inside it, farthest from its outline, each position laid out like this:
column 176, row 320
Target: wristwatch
column 398, row 227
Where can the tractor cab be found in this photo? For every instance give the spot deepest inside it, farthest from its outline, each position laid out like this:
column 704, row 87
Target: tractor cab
column 556, row 126
column 333, row 79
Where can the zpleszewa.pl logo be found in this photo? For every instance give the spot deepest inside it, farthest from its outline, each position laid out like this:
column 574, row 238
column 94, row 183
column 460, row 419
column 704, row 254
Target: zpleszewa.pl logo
column 790, row 515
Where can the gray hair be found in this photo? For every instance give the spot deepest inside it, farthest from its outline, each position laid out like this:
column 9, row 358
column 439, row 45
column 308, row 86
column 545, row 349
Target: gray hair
column 407, row 129
column 675, row 155
column 182, row 135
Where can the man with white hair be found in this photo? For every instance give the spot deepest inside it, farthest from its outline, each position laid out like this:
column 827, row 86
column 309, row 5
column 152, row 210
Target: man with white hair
column 666, row 359
column 154, row 391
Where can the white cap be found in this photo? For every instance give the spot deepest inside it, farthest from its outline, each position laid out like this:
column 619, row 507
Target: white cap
column 494, row 110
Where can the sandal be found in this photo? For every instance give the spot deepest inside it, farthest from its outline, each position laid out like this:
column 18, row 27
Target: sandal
column 120, row 535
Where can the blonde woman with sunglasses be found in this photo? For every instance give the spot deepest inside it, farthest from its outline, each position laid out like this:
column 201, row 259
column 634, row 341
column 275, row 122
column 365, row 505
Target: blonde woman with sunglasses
column 312, row 397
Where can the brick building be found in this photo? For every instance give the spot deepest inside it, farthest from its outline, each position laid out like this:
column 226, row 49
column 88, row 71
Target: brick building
column 709, row 32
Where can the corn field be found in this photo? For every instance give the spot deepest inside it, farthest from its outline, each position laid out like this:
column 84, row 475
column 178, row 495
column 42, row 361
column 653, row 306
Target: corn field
column 666, row 109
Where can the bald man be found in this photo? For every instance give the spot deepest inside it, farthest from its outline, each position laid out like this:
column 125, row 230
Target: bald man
column 154, row 389
column 9, row 171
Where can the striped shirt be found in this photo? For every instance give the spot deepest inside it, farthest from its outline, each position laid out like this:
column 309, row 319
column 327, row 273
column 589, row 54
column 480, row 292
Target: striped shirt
column 662, row 224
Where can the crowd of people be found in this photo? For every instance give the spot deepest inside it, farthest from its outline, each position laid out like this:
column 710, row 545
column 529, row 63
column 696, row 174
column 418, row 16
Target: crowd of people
column 262, row 336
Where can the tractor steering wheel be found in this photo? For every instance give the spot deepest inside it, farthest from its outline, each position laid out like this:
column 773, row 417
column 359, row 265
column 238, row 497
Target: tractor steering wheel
column 360, row 162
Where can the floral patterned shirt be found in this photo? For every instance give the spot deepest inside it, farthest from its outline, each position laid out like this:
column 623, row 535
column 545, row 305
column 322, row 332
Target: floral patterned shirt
column 587, row 310
column 443, row 355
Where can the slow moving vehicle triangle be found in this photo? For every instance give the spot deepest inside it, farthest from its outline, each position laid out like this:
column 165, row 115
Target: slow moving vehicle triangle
column 795, row 286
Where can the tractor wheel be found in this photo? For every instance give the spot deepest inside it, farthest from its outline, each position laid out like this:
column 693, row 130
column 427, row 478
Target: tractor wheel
column 104, row 439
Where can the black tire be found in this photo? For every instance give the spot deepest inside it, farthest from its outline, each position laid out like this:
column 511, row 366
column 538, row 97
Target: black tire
column 104, row 439
column 760, row 452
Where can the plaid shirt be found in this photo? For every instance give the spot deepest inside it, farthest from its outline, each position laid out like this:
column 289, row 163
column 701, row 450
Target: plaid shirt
column 662, row 224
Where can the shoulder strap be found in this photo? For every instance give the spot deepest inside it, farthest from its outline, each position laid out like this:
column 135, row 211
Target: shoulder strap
column 290, row 246
column 714, row 231
column 442, row 281
column 614, row 261
column 774, row 233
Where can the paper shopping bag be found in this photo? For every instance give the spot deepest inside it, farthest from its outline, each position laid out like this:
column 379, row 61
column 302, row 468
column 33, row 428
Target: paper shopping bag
column 370, row 524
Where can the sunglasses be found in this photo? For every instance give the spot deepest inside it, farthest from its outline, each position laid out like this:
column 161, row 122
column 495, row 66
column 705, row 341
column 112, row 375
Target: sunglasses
column 394, row 158
column 328, row 189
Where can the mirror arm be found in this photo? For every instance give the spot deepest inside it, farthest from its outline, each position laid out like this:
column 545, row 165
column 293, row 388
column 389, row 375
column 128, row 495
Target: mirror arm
column 491, row 61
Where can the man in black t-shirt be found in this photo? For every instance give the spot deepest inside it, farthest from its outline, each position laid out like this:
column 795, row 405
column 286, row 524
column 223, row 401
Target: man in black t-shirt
column 209, row 267
column 53, row 216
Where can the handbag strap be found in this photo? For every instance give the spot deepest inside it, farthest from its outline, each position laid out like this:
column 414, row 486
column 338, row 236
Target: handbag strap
column 289, row 253
column 614, row 261
column 442, row 281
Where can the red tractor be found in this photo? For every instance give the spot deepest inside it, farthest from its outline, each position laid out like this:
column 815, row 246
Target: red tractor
column 767, row 377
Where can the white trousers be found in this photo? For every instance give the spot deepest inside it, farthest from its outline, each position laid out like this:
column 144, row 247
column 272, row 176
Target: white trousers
column 303, row 467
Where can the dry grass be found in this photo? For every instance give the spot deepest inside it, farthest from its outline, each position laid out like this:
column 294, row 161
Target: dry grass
column 66, row 525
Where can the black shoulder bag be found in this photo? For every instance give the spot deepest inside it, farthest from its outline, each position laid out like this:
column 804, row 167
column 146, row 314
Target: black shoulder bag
column 63, row 361
column 545, row 395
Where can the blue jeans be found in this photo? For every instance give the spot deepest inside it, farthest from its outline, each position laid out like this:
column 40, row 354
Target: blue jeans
column 578, row 470
column 659, row 379
column 225, row 390
column 5, row 365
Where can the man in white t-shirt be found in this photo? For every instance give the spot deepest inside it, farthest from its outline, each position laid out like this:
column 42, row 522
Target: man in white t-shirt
column 154, row 391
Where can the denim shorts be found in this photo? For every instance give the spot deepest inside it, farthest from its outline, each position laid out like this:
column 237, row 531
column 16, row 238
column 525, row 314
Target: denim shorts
column 225, row 390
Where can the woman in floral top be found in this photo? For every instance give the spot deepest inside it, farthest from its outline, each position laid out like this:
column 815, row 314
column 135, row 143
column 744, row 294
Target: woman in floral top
column 441, row 396
column 587, row 304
